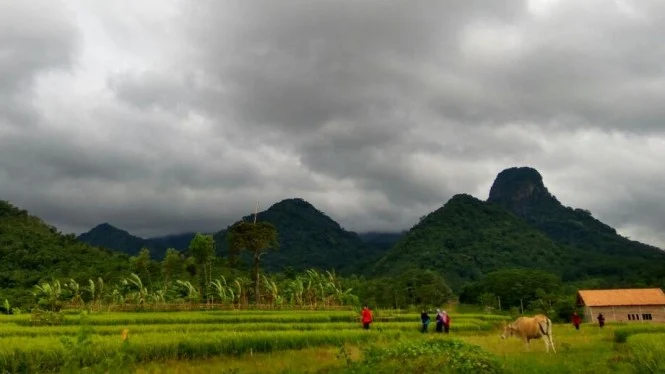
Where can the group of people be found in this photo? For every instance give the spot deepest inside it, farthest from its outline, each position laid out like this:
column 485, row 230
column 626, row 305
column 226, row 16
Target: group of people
column 442, row 320
column 577, row 320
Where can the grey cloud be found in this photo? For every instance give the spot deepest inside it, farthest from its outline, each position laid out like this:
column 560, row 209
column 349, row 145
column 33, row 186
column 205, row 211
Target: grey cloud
column 375, row 111
column 35, row 37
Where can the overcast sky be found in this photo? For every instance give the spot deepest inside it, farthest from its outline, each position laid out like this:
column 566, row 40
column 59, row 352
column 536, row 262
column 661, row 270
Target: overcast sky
column 164, row 116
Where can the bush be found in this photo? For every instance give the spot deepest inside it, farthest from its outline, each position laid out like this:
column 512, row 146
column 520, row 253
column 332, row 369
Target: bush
column 621, row 334
column 647, row 353
column 426, row 356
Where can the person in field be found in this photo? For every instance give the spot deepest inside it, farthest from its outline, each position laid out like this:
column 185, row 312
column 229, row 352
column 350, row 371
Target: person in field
column 601, row 320
column 367, row 317
column 439, row 321
column 576, row 321
column 446, row 321
column 424, row 318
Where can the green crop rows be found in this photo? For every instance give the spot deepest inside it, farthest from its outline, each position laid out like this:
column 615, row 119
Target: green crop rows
column 94, row 340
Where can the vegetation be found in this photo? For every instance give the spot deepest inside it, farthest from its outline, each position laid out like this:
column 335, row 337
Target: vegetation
column 308, row 239
column 597, row 249
column 255, row 238
column 294, row 279
column 108, row 236
column 33, row 252
column 468, row 237
column 224, row 341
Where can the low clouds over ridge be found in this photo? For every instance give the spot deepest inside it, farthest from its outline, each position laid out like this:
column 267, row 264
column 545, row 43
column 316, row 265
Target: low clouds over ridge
column 170, row 116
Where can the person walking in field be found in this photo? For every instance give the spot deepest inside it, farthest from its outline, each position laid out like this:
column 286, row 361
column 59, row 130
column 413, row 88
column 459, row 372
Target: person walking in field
column 367, row 317
column 439, row 321
column 576, row 321
column 446, row 321
column 424, row 317
column 601, row 320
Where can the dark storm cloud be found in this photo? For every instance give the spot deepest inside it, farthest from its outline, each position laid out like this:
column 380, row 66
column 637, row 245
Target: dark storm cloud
column 35, row 37
column 180, row 115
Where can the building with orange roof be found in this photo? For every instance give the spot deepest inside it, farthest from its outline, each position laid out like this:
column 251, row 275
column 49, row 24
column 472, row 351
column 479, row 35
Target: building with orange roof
column 623, row 305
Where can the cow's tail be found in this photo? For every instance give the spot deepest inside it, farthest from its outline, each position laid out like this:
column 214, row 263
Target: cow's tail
column 547, row 329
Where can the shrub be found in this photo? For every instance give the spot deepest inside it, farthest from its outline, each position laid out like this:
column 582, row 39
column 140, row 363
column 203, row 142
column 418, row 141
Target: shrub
column 647, row 353
column 426, row 356
column 622, row 334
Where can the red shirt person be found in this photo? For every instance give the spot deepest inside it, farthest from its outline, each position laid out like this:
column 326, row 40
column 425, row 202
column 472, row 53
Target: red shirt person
column 576, row 321
column 367, row 317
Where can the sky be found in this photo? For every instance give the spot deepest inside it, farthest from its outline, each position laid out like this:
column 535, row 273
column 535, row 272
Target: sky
column 168, row 116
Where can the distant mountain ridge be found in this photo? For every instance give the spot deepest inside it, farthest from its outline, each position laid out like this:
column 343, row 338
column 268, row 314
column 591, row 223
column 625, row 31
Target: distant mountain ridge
column 521, row 224
column 308, row 239
column 108, row 236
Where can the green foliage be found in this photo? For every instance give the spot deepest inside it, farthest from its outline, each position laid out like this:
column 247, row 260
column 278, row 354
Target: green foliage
column 48, row 353
column 255, row 238
column 647, row 353
column 308, row 239
column 514, row 287
column 40, row 317
column 172, row 265
column 33, row 252
column 202, row 250
column 621, row 334
column 596, row 249
column 468, row 237
column 426, row 356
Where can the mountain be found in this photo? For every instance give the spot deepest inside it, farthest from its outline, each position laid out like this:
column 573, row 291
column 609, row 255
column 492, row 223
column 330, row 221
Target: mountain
column 521, row 190
column 521, row 225
column 32, row 251
column 176, row 241
column 381, row 240
column 468, row 237
column 308, row 238
column 108, row 236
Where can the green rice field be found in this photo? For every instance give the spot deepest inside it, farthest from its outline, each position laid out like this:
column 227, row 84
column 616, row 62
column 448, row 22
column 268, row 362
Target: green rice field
column 314, row 342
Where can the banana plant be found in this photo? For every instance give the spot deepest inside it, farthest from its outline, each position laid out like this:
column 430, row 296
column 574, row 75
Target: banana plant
column 138, row 293
column 191, row 293
column 75, row 289
column 48, row 294
column 223, row 290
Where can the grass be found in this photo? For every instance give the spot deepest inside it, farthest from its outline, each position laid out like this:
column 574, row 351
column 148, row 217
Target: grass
column 314, row 341
column 647, row 352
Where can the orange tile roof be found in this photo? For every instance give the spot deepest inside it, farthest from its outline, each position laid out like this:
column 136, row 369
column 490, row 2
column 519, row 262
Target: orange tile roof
column 634, row 296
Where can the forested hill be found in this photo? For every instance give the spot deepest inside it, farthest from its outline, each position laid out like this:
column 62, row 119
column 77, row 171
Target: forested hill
column 108, row 236
column 521, row 190
column 307, row 238
column 381, row 240
column 522, row 225
column 32, row 251
column 468, row 237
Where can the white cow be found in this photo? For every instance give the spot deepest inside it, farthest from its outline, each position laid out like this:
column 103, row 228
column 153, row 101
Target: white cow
column 529, row 328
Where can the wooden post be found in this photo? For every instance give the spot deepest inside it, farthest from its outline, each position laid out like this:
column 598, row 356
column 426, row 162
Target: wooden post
column 499, row 297
column 256, row 211
column 522, row 306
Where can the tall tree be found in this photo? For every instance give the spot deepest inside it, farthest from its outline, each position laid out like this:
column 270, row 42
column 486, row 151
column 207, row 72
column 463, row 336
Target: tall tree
column 202, row 248
column 255, row 238
column 171, row 264
column 141, row 263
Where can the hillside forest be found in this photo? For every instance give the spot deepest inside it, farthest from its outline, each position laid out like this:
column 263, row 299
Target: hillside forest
column 520, row 250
